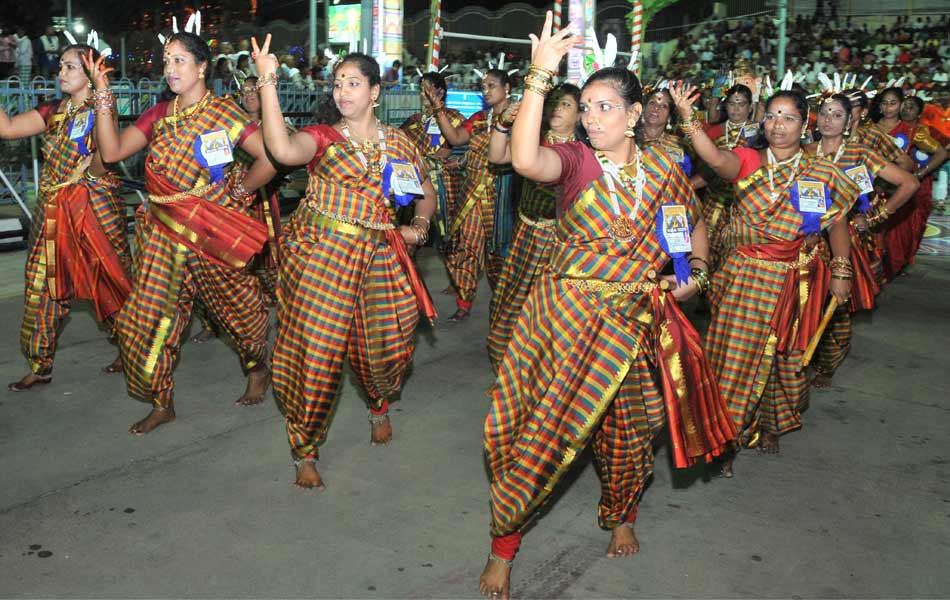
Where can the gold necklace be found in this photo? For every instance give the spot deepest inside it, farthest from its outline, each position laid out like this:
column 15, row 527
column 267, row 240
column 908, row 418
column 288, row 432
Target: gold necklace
column 551, row 138
column 821, row 152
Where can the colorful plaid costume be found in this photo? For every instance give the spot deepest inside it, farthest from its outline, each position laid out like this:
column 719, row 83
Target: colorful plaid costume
column 531, row 244
column 877, row 140
column 475, row 243
column 195, row 243
column 581, row 362
column 718, row 195
column 769, row 294
column 904, row 230
column 78, row 246
column 836, row 340
column 346, row 289
column 445, row 181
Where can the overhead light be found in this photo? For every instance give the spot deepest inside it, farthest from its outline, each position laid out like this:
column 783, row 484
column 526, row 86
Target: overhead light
column 79, row 27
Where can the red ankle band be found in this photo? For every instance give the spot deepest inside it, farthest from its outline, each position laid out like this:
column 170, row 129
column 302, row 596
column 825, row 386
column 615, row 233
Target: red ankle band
column 633, row 514
column 462, row 304
column 506, row 546
column 382, row 410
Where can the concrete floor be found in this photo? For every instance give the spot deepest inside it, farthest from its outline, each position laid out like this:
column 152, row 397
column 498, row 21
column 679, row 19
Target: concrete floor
column 856, row 505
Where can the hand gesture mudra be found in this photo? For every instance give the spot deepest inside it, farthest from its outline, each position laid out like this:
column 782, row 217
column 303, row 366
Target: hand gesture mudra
column 508, row 116
column 98, row 72
column 432, row 95
column 265, row 62
column 684, row 96
column 548, row 49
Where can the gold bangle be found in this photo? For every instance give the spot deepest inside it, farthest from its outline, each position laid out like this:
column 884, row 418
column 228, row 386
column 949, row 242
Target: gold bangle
column 269, row 79
column 539, row 68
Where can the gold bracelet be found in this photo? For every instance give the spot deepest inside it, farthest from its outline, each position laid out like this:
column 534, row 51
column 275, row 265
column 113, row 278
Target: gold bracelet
column 690, row 127
column 539, row 69
column 269, row 79
column 537, row 90
column 840, row 261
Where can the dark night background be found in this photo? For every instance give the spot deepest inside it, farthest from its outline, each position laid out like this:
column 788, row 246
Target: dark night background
column 117, row 16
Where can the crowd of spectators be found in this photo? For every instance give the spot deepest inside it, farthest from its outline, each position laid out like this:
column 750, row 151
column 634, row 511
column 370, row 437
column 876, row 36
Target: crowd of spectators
column 915, row 49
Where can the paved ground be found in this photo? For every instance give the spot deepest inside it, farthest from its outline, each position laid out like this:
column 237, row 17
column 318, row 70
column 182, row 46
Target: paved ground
column 857, row 504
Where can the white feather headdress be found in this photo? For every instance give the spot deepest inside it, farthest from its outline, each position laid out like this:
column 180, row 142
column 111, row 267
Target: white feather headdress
column 192, row 25
column 92, row 40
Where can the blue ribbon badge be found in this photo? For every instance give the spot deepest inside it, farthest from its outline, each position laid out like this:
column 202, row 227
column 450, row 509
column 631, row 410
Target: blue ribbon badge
column 921, row 158
column 811, row 199
column 682, row 159
column 402, row 181
column 434, row 132
column 80, row 128
column 673, row 231
column 901, row 140
column 863, row 179
column 213, row 151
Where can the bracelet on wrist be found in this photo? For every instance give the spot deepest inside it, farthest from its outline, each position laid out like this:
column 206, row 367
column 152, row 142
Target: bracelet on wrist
column 269, row 79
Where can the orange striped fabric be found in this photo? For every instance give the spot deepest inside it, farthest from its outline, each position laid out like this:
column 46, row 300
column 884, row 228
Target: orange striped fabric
column 343, row 294
column 763, row 387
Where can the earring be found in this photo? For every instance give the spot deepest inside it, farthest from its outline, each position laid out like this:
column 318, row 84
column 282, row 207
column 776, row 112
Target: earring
column 375, row 103
column 629, row 131
column 669, row 126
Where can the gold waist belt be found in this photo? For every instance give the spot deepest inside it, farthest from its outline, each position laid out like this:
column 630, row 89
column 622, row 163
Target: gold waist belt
column 542, row 223
column 611, row 287
column 794, row 264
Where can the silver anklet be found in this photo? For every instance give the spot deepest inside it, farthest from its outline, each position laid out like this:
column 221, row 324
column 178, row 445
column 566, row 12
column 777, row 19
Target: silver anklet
column 496, row 558
column 378, row 419
column 308, row 459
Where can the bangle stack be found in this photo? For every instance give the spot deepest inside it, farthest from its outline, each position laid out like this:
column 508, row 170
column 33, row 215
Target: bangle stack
column 880, row 216
column 421, row 231
column 701, row 278
column 539, row 80
column 500, row 130
column 239, row 192
column 690, row 126
column 104, row 99
column 841, row 268
column 269, row 79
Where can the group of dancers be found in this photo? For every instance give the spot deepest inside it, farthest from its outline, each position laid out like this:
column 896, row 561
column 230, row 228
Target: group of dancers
column 786, row 215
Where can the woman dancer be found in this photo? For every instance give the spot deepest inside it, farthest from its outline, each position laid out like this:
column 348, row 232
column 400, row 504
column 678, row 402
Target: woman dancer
column 863, row 165
column 194, row 235
column 348, row 289
column 480, row 230
column 656, row 128
column 533, row 236
column 736, row 131
column 79, row 248
column 769, row 295
column 423, row 129
column 903, row 230
column 579, row 368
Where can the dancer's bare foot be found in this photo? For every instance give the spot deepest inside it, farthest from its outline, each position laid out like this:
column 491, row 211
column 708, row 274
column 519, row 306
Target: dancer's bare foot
column 495, row 579
column 257, row 381
column 449, row 290
column 158, row 416
column 822, row 380
column 115, row 366
column 727, row 465
column 769, row 443
column 459, row 315
column 28, row 381
column 307, row 475
column 382, row 432
column 206, row 334
column 623, row 541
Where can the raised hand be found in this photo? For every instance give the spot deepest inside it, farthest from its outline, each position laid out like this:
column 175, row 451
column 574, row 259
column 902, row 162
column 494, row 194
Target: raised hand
column 684, row 96
column 431, row 95
column 508, row 116
column 548, row 49
column 265, row 62
column 98, row 72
